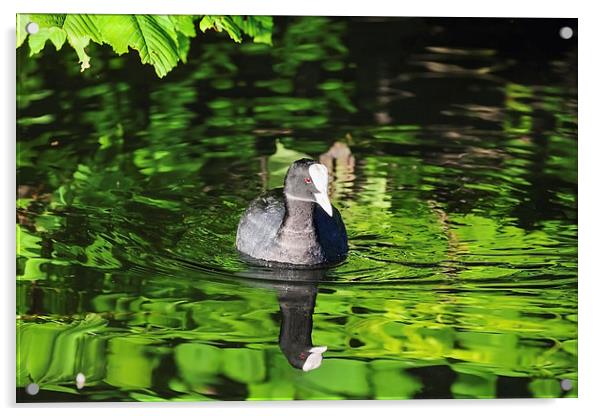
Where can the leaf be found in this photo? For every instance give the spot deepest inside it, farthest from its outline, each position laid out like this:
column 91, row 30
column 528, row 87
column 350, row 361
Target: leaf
column 22, row 21
column 77, row 29
column 47, row 20
column 161, row 41
column 207, row 22
column 43, row 21
column 56, row 35
column 183, row 46
column 80, row 28
column 258, row 28
column 154, row 37
column 221, row 23
column 185, row 29
column 184, row 24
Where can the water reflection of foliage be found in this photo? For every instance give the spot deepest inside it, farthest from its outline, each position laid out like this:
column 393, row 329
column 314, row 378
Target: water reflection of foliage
column 122, row 172
column 194, row 341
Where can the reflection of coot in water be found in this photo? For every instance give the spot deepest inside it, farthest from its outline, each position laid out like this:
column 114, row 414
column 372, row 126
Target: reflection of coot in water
column 295, row 225
column 297, row 307
column 297, row 290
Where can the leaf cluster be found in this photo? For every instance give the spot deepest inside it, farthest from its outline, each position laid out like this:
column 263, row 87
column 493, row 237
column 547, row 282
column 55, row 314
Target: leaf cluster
column 161, row 41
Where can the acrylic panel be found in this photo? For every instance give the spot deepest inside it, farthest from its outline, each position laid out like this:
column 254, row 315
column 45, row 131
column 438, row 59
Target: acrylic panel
column 448, row 146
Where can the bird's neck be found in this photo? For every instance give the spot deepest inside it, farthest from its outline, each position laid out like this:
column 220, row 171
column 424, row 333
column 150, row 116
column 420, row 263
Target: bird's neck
column 299, row 215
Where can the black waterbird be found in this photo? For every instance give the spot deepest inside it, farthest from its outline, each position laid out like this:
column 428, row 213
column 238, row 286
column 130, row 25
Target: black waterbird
column 294, row 225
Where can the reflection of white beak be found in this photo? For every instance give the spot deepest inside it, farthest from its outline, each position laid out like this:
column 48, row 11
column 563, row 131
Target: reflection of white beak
column 314, row 360
column 319, row 176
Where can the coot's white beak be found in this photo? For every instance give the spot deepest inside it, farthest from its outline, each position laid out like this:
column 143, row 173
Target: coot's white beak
column 319, row 176
column 314, row 360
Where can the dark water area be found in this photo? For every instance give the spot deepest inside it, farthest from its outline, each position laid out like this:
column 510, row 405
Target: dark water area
column 452, row 144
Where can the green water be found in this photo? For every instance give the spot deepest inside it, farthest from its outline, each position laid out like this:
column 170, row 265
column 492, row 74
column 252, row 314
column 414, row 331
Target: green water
column 459, row 195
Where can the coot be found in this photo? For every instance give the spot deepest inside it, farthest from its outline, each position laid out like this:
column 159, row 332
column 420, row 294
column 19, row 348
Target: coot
column 294, row 225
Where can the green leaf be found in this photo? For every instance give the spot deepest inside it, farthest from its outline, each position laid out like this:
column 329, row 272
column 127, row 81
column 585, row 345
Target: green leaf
column 22, row 21
column 56, row 35
column 258, row 28
column 77, row 29
column 161, row 41
column 184, row 24
column 154, row 37
column 80, row 28
column 183, row 46
column 47, row 20
column 221, row 23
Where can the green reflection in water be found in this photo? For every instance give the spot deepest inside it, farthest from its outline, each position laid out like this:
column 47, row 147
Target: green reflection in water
column 462, row 276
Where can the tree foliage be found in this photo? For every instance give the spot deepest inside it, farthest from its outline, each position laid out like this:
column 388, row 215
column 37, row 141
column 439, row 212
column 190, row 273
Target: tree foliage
column 161, row 41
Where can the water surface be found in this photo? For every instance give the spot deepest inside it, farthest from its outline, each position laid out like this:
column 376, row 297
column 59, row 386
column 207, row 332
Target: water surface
column 455, row 169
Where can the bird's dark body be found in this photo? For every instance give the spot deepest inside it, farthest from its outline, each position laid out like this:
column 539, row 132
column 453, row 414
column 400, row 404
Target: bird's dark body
column 277, row 229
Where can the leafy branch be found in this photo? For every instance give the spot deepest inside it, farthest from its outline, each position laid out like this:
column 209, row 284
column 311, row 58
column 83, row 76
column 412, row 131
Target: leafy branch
column 161, row 41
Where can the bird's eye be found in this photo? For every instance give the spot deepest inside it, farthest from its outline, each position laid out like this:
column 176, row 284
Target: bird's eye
column 307, row 180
